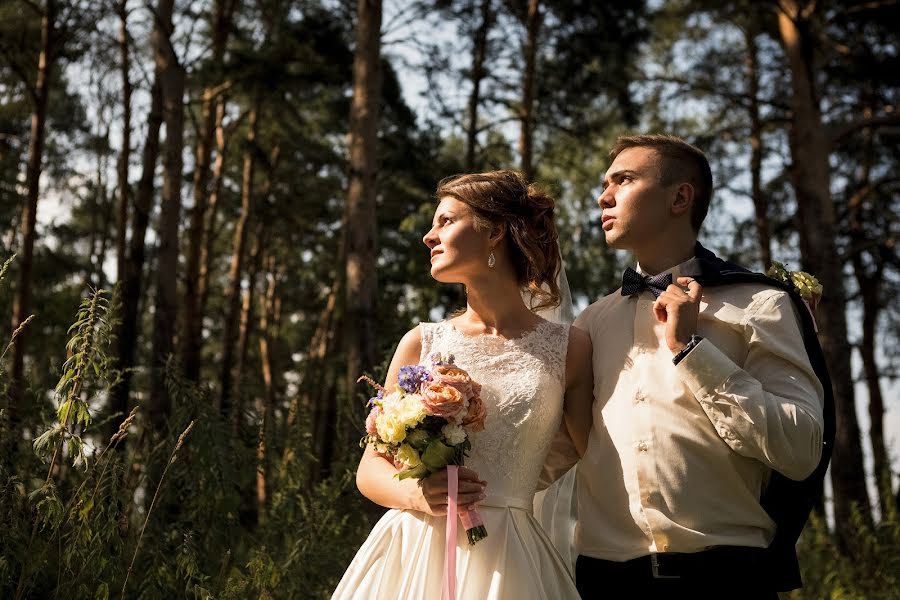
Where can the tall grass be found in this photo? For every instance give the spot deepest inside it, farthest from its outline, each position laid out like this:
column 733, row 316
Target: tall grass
column 167, row 515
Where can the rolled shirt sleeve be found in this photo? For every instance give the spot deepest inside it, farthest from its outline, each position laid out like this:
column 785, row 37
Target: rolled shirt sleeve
column 770, row 408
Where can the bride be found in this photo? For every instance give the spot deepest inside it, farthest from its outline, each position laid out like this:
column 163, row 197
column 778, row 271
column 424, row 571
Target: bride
column 494, row 233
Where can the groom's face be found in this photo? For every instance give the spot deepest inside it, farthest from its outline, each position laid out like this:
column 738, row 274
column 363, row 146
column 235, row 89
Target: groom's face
column 634, row 201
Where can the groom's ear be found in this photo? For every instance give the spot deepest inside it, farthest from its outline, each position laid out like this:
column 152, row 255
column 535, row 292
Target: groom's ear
column 684, row 199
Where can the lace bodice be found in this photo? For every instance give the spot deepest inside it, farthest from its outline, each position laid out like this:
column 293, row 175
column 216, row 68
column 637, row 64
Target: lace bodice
column 523, row 381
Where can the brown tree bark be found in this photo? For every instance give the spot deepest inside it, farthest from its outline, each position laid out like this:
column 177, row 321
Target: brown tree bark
column 318, row 389
column 359, row 214
column 760, row 202
column 209, row 230
column 191, row 340
column 529, row 81
column 235, row 272
column 125, row 154
column 869, row 280
column 266, row 401
column 40, row 94
column 171, row 77
column 101, row 222
column 132, row 279
column 816, row 221
column 479, row 55
column 321, row 373
column 246, row 327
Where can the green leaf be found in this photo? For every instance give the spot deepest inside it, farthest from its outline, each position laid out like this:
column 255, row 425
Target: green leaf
column 102, row 592
column 417, row 472
column 64, row 379
column 437, row 455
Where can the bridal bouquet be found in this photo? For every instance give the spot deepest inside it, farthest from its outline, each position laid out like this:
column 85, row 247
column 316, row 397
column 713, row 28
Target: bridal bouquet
column 424, row 422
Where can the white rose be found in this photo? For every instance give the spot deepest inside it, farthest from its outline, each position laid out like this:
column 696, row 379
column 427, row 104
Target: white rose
column 453, row 433
column 392, row 400
column 389, row 428
column 411, row 411
column 407, row 455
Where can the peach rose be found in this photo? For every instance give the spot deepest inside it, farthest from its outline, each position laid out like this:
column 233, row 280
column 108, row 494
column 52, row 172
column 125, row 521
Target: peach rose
column 370, row 420
column 474, row 420
column 458, row 378
column 442, row 400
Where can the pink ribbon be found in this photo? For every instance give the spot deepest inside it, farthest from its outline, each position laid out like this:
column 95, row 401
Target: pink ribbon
column 449, row 587
column 471, row 518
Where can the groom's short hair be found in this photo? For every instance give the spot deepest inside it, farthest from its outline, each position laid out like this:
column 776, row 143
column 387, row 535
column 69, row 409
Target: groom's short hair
column 680, row 162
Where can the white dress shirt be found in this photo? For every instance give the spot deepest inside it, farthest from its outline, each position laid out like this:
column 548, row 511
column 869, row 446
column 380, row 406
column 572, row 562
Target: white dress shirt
column 679, row 454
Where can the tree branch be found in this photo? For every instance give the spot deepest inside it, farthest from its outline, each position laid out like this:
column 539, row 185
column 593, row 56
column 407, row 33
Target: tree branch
column 889, row 120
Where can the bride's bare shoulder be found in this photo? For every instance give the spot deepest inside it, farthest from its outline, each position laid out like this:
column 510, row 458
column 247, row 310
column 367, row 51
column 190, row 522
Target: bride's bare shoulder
column 411, row 342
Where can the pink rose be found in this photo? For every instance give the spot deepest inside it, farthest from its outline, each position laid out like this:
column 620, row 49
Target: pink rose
column 442, row 400
column 458, row 378
column 370, row 420
column 474, row 420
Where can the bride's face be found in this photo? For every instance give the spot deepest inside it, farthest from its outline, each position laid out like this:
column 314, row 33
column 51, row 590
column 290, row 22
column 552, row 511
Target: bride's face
column 459, row 249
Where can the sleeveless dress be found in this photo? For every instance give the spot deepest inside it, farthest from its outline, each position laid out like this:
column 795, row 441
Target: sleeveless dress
column 523, row 381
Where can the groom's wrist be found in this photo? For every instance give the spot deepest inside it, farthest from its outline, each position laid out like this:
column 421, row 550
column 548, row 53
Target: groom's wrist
column 679, row 356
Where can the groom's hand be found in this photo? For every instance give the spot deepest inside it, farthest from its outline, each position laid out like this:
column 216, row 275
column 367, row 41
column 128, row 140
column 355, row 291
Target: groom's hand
column 678, row 307
column 434, row 490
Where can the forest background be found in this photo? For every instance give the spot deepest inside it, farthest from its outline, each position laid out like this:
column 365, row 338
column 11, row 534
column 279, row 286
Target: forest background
column 213, row 211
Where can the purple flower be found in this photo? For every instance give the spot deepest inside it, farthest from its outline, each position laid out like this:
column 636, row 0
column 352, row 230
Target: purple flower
column 412, row 376
column 371, row 401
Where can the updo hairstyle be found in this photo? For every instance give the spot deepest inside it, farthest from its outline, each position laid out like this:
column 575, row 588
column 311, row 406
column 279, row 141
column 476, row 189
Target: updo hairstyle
column 504, row 196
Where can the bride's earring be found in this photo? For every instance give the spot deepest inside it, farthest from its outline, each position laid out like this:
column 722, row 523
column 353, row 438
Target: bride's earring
column 491, row 260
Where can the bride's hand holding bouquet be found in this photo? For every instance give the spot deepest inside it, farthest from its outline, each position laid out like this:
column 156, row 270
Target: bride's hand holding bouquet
column 423, row 425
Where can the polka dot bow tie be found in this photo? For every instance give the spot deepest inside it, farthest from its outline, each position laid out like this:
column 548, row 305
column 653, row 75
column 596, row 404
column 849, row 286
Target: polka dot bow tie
column 634, row 283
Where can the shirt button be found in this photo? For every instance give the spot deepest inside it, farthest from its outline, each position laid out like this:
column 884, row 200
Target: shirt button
column 642, row 446
column 639, row 397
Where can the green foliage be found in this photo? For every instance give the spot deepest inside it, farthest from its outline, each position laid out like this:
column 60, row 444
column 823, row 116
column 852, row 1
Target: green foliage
column 74, row 531
column 870, row 570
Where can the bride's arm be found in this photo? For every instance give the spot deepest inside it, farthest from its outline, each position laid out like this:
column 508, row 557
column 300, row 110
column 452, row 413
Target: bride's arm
column 375, row 476
column 579, row 399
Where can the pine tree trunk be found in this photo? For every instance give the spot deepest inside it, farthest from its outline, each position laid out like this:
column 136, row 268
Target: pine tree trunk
column 191, row 341
column 125, row 154
column 235, row 272
column 760, row 202
column 870, row 285
column 816, row 221
column 267, row 399
column 479, row 55
column 102, row 222
column 209, row 229
column 315, row 391
column 359, row 215
column 96, row 209
column 22, row 301
column 171, row 76
column 132, row 281
column 529, row 81
column 246, row 327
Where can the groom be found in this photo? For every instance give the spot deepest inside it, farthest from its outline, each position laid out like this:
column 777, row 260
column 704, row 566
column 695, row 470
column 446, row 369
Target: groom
column 713, row 415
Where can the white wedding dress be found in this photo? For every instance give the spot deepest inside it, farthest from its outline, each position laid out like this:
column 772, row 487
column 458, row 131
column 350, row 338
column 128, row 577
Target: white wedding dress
column 523, row 381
